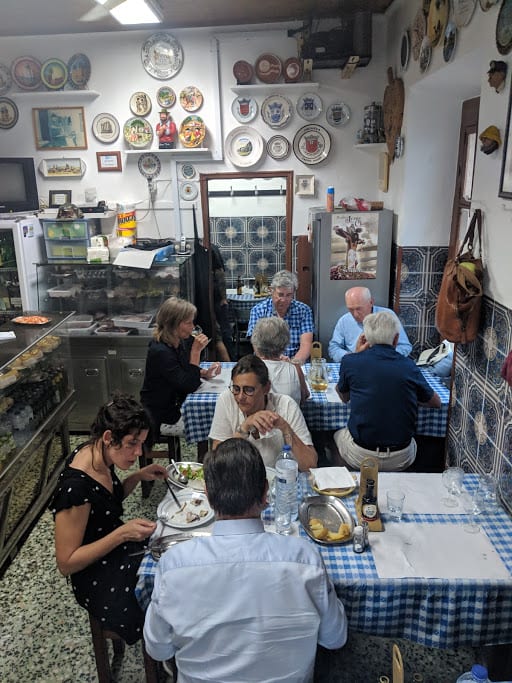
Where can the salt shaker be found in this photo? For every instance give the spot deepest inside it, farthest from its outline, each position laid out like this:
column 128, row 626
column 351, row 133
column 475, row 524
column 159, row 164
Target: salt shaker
column 358, row 539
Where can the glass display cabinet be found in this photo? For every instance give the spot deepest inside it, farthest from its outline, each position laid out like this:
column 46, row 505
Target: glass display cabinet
column 36, row 398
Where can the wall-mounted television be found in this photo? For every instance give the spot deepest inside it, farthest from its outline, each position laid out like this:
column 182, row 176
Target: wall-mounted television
column 18, row 187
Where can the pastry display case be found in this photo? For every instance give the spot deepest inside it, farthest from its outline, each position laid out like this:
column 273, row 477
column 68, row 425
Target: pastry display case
column 36, row 397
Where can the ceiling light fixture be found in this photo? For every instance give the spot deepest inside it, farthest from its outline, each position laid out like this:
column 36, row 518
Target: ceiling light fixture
column 136, row 12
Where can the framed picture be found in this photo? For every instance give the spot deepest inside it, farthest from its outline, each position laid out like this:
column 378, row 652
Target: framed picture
column 59, row 128
column 506, row 168
column 305, row 185
column 65, row 167
column 109, row 161
column 58, row 198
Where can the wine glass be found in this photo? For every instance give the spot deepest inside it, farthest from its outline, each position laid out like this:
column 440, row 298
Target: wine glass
column 474, row 505
column 452, row 480
column 196, row 331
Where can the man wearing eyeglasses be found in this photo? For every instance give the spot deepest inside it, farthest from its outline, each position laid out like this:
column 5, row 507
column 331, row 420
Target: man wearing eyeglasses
column 248, row 409
column 298, row 315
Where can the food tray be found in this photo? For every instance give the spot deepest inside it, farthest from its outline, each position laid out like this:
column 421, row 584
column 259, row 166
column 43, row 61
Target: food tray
column 109, row 331
column 63, row 292
column 80, row 321
column 331, row 511
column 81, row 331
column 137, row 321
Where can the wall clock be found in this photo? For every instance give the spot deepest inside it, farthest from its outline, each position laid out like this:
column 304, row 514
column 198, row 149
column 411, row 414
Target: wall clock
column 417, row 33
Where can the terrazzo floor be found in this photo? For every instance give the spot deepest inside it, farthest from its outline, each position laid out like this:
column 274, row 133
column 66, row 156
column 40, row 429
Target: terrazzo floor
column 45, row 636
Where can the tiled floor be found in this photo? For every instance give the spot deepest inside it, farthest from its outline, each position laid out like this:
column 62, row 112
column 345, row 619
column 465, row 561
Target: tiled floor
column 45, row 637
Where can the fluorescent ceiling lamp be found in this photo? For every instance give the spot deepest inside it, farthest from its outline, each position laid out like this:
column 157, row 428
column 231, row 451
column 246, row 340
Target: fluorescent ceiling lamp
column 136, row 12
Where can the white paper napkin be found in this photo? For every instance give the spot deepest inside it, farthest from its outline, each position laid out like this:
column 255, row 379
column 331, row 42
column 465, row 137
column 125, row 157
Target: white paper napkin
column 424, row 493
column 442, row 551
column 217, row 384
column 332, row 478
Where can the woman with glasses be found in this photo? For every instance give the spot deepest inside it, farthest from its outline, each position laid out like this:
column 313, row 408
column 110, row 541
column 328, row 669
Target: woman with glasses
column 172, row 365
column 93, row 544
column 248, row 409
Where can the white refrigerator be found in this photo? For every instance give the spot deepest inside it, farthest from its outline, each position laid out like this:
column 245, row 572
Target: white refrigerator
column 350, row 248
column 21, row 247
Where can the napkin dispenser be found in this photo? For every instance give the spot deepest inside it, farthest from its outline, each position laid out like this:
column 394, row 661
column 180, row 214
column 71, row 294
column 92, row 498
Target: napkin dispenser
column 369, row 470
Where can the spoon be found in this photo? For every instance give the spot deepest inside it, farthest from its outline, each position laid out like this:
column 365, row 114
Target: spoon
column 182, row 478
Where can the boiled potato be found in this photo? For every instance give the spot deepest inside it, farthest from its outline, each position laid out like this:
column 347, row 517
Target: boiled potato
column 317, row 529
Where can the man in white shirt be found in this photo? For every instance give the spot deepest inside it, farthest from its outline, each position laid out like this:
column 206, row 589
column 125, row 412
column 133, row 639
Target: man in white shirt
column 242, row 605
column 346, row 337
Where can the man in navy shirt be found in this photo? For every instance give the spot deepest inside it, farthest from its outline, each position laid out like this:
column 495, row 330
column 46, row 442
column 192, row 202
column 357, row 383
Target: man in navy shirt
column 384, row 389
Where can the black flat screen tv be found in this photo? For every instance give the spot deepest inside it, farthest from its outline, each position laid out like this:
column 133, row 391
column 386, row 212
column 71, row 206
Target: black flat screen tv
column 18, row 187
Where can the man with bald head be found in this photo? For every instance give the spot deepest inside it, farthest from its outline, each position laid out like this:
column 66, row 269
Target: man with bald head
column 346, row 337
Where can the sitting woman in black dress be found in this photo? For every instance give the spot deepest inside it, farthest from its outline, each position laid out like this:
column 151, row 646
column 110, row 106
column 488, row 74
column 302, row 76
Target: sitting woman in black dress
column 92, row 542
column 172, row 365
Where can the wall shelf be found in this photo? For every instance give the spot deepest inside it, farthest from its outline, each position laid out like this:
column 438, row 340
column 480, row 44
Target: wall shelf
column 267, row 88
column 196, row 152
column 57, row 95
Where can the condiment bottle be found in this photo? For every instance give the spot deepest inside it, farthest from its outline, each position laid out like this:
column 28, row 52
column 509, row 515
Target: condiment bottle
column 369, row 507
column 239, row 286
column 330, row 199
column 358, row 539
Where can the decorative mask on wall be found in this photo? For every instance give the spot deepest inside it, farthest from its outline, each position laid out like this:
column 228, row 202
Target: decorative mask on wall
column 491, row 140
column 497, row 74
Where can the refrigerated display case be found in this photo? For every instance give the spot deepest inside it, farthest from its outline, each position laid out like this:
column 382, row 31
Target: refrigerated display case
column 36, row 397
column 350, row 248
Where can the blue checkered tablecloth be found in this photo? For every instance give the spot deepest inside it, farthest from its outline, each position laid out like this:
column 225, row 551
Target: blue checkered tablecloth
column 442, row 613
column 320, row 414
column 244, row 302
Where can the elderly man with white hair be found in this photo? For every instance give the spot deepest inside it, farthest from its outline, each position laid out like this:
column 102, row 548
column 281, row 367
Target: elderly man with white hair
column 384, row 389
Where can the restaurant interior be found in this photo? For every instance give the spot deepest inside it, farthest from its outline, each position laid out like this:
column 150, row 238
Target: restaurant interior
column 432, row 180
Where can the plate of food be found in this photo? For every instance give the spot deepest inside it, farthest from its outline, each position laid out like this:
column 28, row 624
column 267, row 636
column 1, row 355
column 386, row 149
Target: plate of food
column 31, row 320
column 326, row 520
column 194, row 473
column 194, row 510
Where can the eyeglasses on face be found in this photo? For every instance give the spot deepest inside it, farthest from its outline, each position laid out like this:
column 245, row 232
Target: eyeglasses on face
column 248, row 390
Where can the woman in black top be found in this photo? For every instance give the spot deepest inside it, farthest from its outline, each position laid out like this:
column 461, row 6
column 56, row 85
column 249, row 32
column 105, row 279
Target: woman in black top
column 172, row 363
column 93, row 544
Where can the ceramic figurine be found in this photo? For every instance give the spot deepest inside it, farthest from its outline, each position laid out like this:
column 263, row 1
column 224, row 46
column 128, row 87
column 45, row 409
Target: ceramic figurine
column 165, row 130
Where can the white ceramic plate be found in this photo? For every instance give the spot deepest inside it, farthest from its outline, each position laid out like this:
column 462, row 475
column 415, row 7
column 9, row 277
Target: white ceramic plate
column 278, row 147
column 105, row 128
column 188, row 191
column 149, row 165
column 137, row 132
column 425, row 54
column 166, row 97
column 463, row 11
column 162, row 56
column 244, row 146
column 244, row 109
column 276, row 111
column 194, row 484
column 178, row 518
column 337, row 114
column 140, row 104
column 311, row 144
column 309, row 106
column 191, row 98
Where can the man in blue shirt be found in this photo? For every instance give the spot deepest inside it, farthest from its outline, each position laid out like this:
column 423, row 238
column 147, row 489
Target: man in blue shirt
column 242, row 604
column 384, row 390
column 298, row 315
column 347, row 333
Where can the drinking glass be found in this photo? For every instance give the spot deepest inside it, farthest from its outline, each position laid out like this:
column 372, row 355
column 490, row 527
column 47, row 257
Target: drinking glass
column 487, row 486
column 452, row 480
column 196, row 331
column 474, row 505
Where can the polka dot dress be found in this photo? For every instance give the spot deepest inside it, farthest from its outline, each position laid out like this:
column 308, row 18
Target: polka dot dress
column 105, row 588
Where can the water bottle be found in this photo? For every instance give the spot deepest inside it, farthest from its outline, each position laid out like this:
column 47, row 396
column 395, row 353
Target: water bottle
column 478, row 674
column 286, row 505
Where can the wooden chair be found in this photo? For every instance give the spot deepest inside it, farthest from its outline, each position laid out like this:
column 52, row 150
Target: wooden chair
column 173, row 452
column 103, row 666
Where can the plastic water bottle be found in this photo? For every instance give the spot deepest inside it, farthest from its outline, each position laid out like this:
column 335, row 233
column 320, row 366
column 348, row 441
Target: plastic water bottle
column 286, row 491
column 478, row 674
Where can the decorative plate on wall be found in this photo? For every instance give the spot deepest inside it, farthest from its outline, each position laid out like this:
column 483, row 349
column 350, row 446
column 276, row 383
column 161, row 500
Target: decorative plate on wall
column 188, row 171
column 138, row 132
column 244, row 109
column 166, row 97
column 105, row 128
column 191, row 98
column 425, row 54
column 309, row 106
column 79, row 71
column 5, row 79
column 192, row 131
column 54, row 74
column 8, row 113
column 162, row 56
column 292, row 70
column 311, row 144
column 26, row 73
column 140, row 104
column 244, row 146
column 188, row 191
column 504, row 28
column 419, row 27
column 450, row 41
column 243, row 72
column 436, row 20
column 276, row 111
column 487, row 4
column 405, row 50
column 463, row 11
column 149, row 165
column 268, row 68
column 278, row 147
column 337, row 114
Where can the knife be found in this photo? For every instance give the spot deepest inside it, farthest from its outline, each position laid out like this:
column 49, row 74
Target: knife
column 398, row 667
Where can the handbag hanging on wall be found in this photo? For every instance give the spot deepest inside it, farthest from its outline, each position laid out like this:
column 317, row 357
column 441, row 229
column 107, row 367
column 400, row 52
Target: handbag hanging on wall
column 460, row 296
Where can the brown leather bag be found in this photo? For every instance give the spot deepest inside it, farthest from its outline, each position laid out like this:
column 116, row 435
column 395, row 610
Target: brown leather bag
column 460, row 296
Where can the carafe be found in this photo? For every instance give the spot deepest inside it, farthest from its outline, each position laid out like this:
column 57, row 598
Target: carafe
column 319, row 374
